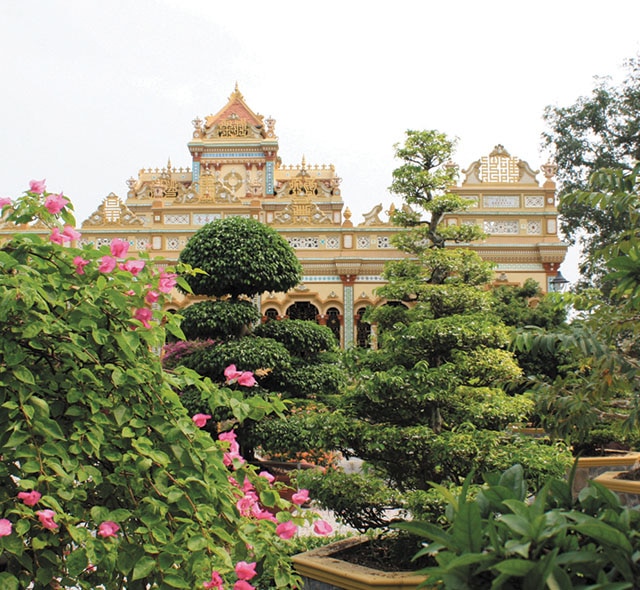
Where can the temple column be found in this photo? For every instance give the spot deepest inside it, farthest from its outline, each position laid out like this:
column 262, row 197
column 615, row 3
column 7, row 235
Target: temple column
column 347, row 298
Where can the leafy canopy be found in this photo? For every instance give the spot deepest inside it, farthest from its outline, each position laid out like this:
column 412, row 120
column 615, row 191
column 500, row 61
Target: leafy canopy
column 240, row 256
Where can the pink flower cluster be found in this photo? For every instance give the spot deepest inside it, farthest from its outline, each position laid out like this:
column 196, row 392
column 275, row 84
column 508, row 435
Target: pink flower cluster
column 47, row 518
column 245, row 571
column 233, row 454
column 244, row 378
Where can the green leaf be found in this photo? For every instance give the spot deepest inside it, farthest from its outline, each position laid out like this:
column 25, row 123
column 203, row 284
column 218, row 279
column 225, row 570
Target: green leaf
column 514, row 567
column 8, row 581
column 197, row 542
column 22, row 373
column 175, row 581
column 143, row 568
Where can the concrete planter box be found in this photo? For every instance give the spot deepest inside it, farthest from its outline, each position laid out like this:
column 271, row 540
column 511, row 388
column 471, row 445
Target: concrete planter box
column 627, row 490
column 590, row 468
column 321, row 571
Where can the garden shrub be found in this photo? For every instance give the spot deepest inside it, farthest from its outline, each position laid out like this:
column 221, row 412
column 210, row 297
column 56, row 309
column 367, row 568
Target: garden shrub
column 218, row 319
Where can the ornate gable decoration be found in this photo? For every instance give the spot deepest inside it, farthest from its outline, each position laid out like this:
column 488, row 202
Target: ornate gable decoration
column 499, row 167
column 302, row 212
column 113, row 211
column 235, row 121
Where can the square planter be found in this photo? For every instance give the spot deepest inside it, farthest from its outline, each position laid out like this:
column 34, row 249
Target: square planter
column 627, row 490
column 321, row 571
column 591, row 467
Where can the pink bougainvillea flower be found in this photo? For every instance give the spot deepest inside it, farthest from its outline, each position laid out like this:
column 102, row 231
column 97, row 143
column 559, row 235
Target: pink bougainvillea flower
column 215, row 583
column 243, row 585
column 300, row 497
column 231, row 373
column 5, row 527
column 322, row 527
column 151, row 297
column 55, row 203
column 234, row 448
column 262, row 514
column 247, row 379
column 69, row 233
column 286, row 530
column 108, row 528
column 37, row 186
column 30, row 498
column 4, row 201
column 80, row 263
column 201, row 420
column 107, row 264
column 267, row 476
column 246, row 504
column 119, row 248
column 56, row 237
column 245, row 571
column 46, row 519
column 166, row 282
column 133, row 266
column 143, row 314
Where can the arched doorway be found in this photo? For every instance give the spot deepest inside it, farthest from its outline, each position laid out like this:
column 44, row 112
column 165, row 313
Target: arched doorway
column 363, row 330
column 333, row 322
column 271, row 314
column 303, row 310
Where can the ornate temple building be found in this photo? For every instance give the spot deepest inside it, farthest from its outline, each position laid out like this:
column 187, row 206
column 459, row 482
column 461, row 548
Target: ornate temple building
column 236, row 171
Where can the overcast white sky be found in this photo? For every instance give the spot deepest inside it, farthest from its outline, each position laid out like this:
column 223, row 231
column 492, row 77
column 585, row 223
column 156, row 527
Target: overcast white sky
column 93, row 91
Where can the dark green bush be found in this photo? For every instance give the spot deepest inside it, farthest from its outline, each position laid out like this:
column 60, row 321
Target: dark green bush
column 300, row 337
column 240, row 256
column 218, row 319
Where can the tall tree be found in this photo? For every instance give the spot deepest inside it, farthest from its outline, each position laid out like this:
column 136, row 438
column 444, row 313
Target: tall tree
column 598, row 131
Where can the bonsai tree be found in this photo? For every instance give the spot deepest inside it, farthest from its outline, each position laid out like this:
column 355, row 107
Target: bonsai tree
column 430, row 405
column 238, row 258
column 105, row 480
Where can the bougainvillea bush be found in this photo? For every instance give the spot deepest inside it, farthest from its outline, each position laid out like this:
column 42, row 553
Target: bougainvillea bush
column 105, row 480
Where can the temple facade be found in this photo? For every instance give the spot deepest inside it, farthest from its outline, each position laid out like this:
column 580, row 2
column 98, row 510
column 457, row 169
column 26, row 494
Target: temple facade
column 235, row 170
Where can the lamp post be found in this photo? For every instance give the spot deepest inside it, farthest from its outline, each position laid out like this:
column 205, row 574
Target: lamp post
column 558, row 283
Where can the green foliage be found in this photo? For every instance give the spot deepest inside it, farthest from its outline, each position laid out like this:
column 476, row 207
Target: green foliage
column 499, row 539
column 265, row 357
column 597, row 131
column 599, row 380
column 218, row 319
column 240, row 256
column 301, row 338
column 93, row 423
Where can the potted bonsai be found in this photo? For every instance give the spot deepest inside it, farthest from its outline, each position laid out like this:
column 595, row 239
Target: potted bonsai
column 429, row 405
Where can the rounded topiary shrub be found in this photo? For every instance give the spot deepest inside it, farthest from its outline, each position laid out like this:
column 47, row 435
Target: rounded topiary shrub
column 302, row 338
column 218, row 319
column 267, row 358
column 240, row 256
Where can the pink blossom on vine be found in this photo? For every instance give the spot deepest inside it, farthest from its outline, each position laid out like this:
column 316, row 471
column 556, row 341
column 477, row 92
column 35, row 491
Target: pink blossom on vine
column 245, row 571
column 107, row 264
column 30, row 498
column 200, row 420
column 243, row 585
column 286, row 530
column 133, row 266
column 55, row 203
column 167, row 282
column 215, row 583
column 108, row 528
column 143, row 314
column 119, row 248
column 300, row 497
column 37, row 186
column 322, row 527
column 5, row 527
column 80, row 263
column 46, row 519
column 4, row 201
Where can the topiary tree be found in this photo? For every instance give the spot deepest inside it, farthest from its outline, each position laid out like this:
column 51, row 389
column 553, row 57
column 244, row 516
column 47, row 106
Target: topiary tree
column 105, row 480
column 218, row 319
column 240, row 256
column 430, row 405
